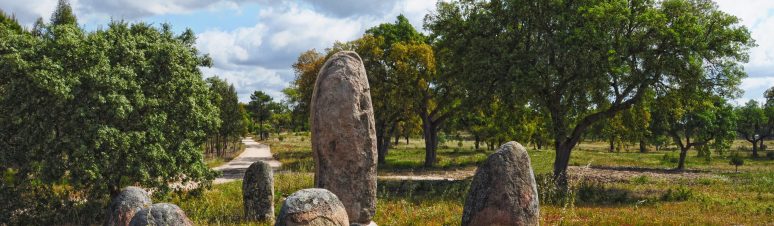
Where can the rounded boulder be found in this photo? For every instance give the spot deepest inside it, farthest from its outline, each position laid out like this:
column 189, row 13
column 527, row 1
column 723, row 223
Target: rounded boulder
column 161, row 214
column 314, row 206
column 503, row 191
column 126, row 204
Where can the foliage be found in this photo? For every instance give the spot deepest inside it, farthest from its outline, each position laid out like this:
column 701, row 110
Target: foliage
column 83, row 114
column 262, row 107
column 584, row 61
column 232, row 125
column 299, row 94
column 63, row 14
column 736, row 160
column 10, row 22
column 694, row 119
column 679, row 194
column 755, row 123
column 401, row 69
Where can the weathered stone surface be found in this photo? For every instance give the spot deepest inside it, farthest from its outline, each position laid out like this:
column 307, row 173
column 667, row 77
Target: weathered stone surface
column 123, row 207
column 258, row 192
column 503, row 191
column 344, row 135
column 314, row 206
column 161, row 214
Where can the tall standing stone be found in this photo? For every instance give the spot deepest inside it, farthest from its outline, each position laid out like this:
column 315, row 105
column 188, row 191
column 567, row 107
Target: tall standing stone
column 344, row 135
column 503, row 191
column 313, row 207
column 123, row 207
column 258, row 192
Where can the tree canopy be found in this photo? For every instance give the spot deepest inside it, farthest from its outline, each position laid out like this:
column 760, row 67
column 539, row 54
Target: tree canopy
column 584, row 61
column 91, row 112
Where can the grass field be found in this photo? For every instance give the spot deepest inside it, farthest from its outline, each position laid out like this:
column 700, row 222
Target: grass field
column 718, row 197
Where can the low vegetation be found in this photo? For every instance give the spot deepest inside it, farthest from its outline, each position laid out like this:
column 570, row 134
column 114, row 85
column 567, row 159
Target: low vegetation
column 717, row 196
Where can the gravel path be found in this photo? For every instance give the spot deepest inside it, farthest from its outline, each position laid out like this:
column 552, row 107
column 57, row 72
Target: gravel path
column 235, row 169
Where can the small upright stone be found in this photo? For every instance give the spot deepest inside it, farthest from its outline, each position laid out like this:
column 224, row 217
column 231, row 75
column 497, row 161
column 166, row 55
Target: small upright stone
column 344, row 135
column 258, row 192
column 503, row 191
column 123, row 207
column 313, row 206
column 161, row 214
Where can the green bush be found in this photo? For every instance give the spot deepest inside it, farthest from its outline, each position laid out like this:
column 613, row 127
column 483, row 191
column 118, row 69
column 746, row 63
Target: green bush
column 679, row 194
column 736, row 160
column 640, row 180
column 770, row 155
column 591, row 192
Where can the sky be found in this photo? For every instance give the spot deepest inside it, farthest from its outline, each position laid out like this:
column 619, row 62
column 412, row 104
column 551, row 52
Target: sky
column 253, row 43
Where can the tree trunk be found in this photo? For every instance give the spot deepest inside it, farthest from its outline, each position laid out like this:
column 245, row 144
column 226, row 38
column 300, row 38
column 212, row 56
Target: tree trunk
column 643, row 148
column 683, row 154
column 561, row 161
column 431, row 142
column 407, row 139
column 477, row 142
column 260, row 129
column 755, row 148
column 762, row 146
column 612, row 144
column 381, row 149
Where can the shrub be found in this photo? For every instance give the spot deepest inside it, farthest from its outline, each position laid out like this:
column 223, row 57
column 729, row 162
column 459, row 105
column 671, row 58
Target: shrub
column 770, row 155
column 737, row 161
column 640, row 180
column 597, row 193
column 679, row 194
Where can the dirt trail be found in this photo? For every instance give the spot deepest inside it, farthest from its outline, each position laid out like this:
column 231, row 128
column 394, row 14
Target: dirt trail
column 235, row 169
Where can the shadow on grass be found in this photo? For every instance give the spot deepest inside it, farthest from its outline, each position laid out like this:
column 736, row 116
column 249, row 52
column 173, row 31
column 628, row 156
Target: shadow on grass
column 448, row 159
column 593, row 193
column 418, row 190
column 649, row 170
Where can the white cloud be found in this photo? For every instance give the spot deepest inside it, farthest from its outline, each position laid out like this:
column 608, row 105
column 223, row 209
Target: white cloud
column 246, row 80
column 284, row 32
column 29, row 10
column 350, row 8
column 254, row 57
column 756, row 15
column 260, row 57
column 228, row 49
column 754, row 87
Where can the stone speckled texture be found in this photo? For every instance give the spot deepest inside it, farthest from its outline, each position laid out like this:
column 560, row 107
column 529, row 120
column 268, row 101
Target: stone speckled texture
column 313, row 206
column 123, row 207
column 258, row 192
column 503, row 191
column 344, row 135
column 161, row 214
